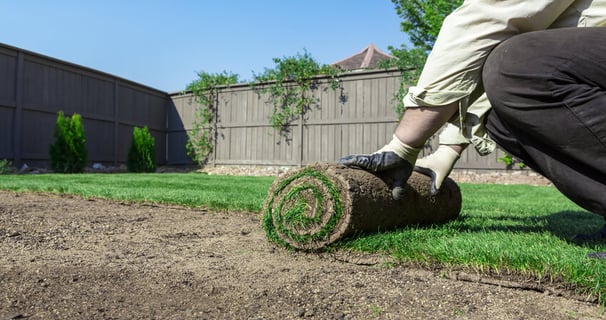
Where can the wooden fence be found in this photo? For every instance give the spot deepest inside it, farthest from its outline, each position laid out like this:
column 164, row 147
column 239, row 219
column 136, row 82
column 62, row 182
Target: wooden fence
column 33, row 88
column 359, row 117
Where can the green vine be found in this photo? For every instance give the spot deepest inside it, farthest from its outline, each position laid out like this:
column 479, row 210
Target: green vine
column 290, row 85
column 510, row 161
column 410, row 63
column 201, row 137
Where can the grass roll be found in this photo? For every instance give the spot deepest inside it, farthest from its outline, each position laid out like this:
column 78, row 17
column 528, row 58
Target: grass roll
column 313, row 207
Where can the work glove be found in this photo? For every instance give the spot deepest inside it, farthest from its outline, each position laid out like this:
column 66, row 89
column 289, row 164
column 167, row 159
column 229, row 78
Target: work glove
column 395, row 160
column 437, row 166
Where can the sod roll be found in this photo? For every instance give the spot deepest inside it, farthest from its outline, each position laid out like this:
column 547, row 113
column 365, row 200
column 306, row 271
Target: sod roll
column 315, row 206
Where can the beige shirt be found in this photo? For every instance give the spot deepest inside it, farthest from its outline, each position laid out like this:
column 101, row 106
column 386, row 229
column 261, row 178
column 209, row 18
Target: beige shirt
column 453, row 70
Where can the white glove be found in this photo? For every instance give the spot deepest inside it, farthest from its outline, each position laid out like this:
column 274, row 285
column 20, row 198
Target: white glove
column 438, row 166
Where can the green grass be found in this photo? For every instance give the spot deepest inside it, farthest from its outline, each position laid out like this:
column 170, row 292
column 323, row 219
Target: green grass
column 191, row 189
column 516, row 229
column 506, row 229
column 284, row 220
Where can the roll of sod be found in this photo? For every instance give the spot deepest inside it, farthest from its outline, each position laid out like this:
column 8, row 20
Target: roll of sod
column 315, row 206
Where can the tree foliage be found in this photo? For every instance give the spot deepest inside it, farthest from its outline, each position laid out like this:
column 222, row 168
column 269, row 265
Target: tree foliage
column 206, row 89
column 422, row 19
column 68, row 153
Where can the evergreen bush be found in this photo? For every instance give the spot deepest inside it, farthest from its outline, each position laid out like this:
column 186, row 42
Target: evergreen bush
column 6, row 166
column 68, row 153
column 142, row 154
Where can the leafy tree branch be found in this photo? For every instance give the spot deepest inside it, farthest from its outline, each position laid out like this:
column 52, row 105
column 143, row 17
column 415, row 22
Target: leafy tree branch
column 421, row 21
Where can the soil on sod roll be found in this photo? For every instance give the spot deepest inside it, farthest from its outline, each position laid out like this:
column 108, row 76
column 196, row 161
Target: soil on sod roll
column 315, row 206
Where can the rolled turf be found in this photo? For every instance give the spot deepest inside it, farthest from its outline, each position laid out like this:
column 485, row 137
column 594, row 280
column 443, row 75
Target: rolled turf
column 315, row 206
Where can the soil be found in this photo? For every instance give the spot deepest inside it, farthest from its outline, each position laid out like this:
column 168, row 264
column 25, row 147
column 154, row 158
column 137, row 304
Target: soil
column 64, row 257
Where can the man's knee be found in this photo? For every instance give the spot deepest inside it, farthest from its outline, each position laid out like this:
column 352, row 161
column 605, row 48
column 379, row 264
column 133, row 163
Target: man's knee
column 502, row 71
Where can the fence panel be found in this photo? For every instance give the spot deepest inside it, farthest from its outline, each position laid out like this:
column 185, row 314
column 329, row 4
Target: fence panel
column 359, row 117
column 33, row 88
column 8, row 101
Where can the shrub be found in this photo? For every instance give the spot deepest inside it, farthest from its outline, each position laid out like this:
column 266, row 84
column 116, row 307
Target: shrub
column 68, row 153
column 142, row 154
column 6, row 166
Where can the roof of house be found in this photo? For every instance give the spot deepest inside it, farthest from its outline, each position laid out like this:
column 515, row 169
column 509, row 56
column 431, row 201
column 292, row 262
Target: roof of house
column 365, row 59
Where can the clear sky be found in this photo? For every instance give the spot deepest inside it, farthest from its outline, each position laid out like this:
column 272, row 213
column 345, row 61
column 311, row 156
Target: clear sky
column 163, row 43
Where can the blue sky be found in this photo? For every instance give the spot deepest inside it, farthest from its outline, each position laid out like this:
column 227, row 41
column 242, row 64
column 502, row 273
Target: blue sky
column 163, row 44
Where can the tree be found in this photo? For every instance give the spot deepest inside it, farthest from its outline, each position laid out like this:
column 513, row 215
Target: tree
column 422, row 19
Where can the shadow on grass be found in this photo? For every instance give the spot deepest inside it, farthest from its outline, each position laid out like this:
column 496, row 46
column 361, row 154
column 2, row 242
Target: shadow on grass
column 564, row 224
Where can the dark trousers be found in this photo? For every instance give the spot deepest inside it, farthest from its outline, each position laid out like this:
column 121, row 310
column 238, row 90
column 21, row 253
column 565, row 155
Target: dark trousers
column 548, row 92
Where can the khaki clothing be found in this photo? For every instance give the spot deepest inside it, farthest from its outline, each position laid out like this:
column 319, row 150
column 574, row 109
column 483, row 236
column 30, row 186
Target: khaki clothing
column 453, row 71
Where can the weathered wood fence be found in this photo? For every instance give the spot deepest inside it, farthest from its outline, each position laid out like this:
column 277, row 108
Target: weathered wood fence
column 358, row 117
column 33, row 88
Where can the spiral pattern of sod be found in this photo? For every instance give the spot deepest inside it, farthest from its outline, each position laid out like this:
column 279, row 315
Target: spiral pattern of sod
column 315, row 206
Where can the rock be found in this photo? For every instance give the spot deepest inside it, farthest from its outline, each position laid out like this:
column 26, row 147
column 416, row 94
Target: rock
column 98, row 166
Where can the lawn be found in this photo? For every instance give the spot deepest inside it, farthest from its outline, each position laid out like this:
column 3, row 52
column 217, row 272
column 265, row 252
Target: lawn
column 516, row 229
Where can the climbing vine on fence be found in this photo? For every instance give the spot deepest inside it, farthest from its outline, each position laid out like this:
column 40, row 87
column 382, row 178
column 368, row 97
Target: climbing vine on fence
column 410, row 63
column 206, row 89
column 290, row 84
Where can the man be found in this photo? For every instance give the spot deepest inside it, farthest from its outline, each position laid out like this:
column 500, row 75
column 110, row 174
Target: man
column 546, row 84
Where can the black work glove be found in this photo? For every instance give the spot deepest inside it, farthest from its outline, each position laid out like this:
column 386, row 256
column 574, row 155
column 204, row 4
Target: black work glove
column 388, row 164
column 394, row 161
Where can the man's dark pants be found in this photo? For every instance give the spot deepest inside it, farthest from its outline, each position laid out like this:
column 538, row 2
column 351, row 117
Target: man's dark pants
column 548, row 92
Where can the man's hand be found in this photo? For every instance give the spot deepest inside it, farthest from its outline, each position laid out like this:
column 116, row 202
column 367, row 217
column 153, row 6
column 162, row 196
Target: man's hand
column 376, row 162
column 395, row 160
column 388, row 163
column 438, row 166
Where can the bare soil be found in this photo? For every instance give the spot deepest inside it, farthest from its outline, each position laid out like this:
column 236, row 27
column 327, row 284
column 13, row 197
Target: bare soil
column 64, row 257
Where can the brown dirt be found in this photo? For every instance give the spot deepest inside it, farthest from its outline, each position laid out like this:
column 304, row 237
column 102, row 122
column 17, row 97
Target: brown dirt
column 70, row 258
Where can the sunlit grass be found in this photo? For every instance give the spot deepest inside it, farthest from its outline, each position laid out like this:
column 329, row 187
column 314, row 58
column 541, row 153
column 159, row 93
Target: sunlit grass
column 191, row 189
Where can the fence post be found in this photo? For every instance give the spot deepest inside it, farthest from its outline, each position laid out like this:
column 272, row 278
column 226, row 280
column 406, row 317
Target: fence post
column 18, row 127
column 301, row 119
column 116, row 124
column 215, row 127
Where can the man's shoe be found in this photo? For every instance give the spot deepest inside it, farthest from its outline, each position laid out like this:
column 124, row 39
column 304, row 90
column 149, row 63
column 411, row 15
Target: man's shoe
column 597, row 255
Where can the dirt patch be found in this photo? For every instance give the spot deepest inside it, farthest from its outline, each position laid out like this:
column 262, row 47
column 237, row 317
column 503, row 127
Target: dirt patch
column 71, row 258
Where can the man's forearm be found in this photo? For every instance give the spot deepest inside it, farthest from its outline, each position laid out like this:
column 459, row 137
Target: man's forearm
column 419, row 123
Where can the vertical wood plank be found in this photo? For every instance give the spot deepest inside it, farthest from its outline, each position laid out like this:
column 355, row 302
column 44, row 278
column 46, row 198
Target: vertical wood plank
column 18, row 126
